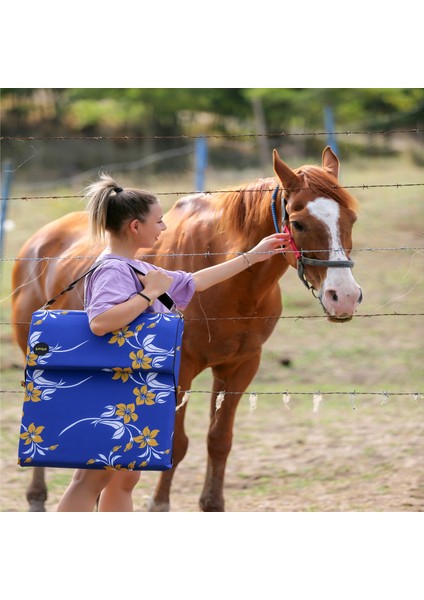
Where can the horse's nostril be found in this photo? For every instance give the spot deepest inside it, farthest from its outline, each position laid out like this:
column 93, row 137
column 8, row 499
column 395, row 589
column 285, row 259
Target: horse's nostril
column 361, row 297
column 332, row 296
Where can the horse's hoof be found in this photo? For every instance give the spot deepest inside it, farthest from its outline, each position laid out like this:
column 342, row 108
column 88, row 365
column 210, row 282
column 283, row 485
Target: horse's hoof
column 36, row 506
column 153, row 506
column 211, row 505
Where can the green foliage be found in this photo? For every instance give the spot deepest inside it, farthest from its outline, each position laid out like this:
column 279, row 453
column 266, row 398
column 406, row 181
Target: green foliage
column 156, row 111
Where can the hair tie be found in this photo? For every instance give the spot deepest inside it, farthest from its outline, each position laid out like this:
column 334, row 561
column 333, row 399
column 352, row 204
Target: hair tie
column 117, row 190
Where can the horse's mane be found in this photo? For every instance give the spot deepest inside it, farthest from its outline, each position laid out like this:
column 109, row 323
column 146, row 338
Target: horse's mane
column 323, row 183
column 245, row 211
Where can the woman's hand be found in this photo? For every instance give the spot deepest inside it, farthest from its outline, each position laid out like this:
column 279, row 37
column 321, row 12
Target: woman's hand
column 155, row 283
column 269, row 246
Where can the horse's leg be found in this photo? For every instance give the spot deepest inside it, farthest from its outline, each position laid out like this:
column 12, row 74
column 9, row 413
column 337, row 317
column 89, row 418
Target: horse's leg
column 23, row 306
column 160, row 500
column 37, row 491
column 228, row 378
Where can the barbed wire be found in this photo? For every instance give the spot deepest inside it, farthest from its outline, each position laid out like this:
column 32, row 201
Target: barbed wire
column 286, row 397
column 97, row 138
column 355, row 393
column 362, row 186
column 208, row 254
column 264, row 318
column 416, row 395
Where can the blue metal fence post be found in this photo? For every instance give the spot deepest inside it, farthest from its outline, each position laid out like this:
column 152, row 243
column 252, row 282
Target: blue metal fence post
column 201, row 161
column 5, row 193
column 329, row 127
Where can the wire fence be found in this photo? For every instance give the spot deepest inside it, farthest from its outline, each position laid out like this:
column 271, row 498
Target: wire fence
column 362, row 186
column 286, row 396
column 97, row 138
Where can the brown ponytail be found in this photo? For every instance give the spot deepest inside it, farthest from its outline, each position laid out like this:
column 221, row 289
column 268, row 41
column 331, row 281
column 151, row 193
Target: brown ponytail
column 111, row 206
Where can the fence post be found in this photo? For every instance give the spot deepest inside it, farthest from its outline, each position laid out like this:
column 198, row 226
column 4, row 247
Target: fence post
column 329, row 127
column 201, row 161
column 5, row 193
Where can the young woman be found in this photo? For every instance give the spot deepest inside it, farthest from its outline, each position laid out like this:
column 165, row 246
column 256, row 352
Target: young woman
column 115, row 295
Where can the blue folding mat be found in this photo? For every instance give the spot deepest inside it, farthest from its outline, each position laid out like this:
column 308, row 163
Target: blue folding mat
column 100, row 402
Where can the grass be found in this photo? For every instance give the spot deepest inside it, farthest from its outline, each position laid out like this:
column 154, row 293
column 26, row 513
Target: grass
column 363, row 453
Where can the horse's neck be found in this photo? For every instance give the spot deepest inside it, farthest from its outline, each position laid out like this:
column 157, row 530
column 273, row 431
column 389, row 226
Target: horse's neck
column 265, row 275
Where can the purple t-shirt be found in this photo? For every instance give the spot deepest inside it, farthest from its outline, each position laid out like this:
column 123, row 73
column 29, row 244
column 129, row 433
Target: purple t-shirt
column 115, row 282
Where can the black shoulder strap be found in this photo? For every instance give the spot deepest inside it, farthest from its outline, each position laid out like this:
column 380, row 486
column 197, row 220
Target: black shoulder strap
column 164, row 298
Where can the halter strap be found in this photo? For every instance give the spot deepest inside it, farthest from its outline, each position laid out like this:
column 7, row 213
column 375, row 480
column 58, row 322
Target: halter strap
column 285, row 229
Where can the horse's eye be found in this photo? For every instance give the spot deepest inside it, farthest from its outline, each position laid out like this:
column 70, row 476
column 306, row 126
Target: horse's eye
column 297, row 226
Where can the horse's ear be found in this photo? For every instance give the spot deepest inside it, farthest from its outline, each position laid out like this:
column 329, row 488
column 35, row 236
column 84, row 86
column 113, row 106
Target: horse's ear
column 288, row 178
column 330, row 161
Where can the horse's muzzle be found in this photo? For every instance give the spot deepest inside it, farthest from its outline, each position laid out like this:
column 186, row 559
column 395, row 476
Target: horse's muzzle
column 340, row 308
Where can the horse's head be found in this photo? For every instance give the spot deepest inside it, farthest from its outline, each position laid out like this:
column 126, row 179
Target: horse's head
column 320, row 215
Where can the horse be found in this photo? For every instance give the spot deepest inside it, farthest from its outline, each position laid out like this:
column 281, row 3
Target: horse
column 204, row 229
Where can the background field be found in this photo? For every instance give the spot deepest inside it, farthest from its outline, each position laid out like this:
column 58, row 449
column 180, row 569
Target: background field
column 355, row 454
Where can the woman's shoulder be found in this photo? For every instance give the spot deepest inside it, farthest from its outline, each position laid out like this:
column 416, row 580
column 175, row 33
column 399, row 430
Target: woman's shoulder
column 125, row 265
column 115, row 261
column 110, row 265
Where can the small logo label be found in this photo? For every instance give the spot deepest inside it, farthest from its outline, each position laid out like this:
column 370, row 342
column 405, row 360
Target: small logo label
column 41, row 348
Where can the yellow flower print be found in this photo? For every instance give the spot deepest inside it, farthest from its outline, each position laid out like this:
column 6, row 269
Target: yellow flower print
column 122, row 373
column 127, row 412
column 120, row 336
column 32, row 434
column 144, row 396
column 140, row 361
column 147, row 438
column 31, row 358
column 31, row 394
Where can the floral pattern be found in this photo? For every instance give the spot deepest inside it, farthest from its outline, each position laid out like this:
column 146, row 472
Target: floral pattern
column 32, row 437
column 83, row 393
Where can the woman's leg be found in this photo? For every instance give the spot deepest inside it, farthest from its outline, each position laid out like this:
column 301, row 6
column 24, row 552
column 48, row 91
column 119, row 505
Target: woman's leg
column 117, row 495
column 84, row 490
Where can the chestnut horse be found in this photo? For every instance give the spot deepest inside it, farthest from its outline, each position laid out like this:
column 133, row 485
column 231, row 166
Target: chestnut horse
column 204, row 229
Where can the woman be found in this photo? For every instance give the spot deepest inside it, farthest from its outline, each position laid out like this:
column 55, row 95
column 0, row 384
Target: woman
column 115, row 295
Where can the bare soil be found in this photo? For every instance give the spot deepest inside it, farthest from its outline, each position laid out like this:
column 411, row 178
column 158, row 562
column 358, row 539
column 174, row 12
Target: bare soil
column 367, row 458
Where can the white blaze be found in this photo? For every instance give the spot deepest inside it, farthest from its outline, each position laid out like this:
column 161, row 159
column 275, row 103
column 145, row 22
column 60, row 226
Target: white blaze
column 328, row 212
column 338, row 279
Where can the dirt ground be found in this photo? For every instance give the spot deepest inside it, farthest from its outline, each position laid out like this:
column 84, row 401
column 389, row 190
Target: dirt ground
column 339, row 459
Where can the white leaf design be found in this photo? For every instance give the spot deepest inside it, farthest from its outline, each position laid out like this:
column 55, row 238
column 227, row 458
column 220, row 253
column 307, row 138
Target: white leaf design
column 148, row 340
column 119, row 432
column 161, row 397
column 110, row 411
column 34, row 338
